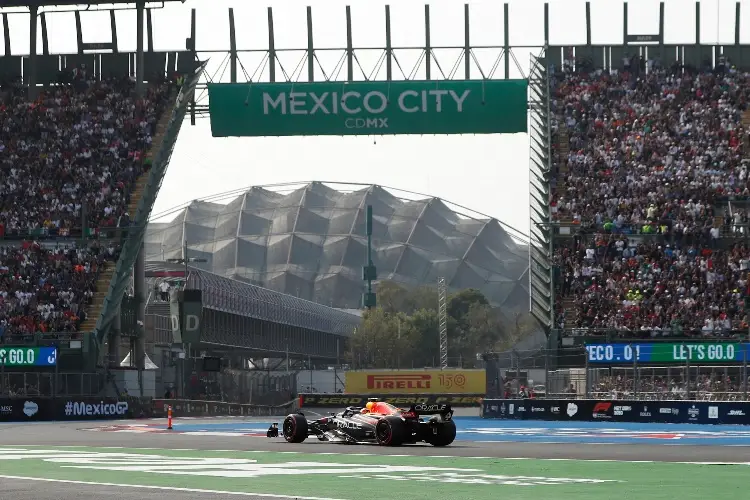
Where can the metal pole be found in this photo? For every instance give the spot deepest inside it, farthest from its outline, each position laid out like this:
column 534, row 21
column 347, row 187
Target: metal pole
column 635, row 376
column 587, row 376
column 546, row 372
column 33, row 11
column 139, row 67
column 744, row 372
column 687, row 365
column 56, row 374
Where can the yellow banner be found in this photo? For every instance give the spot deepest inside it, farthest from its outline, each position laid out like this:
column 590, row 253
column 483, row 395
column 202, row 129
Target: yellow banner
column 376, row 382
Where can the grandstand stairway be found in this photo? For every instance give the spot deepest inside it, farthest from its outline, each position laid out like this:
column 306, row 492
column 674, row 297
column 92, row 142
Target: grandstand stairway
column 563, row 149
column 140, row 183
column 568, row 305
column 105, row 278
column 102, row 288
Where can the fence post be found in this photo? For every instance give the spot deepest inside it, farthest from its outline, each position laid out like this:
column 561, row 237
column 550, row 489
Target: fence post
column 687, row 364
column 744, row 372
column 636, row 378
column 546, row 372
column 587, row 376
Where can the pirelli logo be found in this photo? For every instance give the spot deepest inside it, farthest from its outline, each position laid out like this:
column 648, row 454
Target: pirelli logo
column 410, row 381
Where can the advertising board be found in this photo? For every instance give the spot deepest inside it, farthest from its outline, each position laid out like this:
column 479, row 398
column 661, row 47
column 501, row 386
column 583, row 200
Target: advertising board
column 380, row 382
column 667, row 412
column 344, row 400
column 11, row 356
column 668, row 353
column 63, row 409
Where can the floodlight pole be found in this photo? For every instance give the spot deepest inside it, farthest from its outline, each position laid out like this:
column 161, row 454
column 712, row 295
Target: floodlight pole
column 443, row 321
column 369, row 272
column 33, row 11
column 139, row 65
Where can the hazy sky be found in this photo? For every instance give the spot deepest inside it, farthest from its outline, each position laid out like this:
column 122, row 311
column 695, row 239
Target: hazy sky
column 488, row 173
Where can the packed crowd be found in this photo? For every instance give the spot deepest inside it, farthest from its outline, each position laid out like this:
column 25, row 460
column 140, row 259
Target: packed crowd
column 653, row 289
column 47, row 289
column 653, row 156
column 73, row 152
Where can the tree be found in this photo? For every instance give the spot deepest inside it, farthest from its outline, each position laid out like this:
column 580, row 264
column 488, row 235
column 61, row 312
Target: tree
column 404, row 330
column 382, row 340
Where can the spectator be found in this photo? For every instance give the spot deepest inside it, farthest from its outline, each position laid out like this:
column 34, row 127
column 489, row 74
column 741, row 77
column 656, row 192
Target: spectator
column 68, row 159
column 653, row 155
column 48, row 289
column 73, row 152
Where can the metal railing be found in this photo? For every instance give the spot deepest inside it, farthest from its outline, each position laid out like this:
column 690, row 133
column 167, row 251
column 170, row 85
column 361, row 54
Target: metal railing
column 620, row 335
column 51, row 385
column 567, row 374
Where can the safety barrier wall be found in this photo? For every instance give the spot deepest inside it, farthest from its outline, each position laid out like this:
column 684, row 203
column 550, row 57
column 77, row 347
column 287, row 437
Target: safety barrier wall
column 64, row 409
column 344, row 400
column 671, row 412
column 196, row 408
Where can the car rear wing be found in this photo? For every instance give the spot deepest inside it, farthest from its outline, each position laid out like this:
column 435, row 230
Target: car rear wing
column 443, row 410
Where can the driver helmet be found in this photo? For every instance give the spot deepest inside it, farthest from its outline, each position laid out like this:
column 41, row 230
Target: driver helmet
column 370, row 406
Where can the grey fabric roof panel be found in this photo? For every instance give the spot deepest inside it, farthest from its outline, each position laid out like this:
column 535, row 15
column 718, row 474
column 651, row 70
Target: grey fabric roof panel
column 310, row 243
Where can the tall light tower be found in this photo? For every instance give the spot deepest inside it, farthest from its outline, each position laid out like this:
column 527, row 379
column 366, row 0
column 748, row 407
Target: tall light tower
column 443, row 321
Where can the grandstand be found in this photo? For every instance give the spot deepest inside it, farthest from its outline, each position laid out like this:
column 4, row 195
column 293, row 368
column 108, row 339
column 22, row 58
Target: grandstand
column 650, row 196
column 73, row 162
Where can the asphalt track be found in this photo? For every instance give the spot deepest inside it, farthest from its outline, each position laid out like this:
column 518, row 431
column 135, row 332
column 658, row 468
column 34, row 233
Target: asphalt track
column 74, row 434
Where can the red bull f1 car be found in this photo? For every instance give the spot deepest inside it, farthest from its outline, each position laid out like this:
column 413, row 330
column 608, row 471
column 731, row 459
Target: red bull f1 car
column 377, row 423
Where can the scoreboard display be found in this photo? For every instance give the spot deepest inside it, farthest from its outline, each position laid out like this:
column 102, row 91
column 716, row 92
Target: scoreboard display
column 28, row 356
column 671, row 353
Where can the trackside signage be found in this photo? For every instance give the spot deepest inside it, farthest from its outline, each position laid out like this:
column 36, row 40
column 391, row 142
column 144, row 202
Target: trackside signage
column 48, row 409
column 368, row 108
column 379, row 382
column 101, row 409
column 400, row 400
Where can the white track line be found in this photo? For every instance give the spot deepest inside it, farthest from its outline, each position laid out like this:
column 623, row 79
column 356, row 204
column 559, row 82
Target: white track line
column 453, row 457
column 168, row 488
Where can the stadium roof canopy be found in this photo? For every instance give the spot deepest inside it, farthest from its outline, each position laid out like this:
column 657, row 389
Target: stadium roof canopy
column 308, row 240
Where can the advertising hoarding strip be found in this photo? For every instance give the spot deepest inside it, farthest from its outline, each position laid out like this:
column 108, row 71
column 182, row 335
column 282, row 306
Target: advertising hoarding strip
column 33, row 409
column 28, row 356
column 572, row 410
column 380, row 382
column 672, row 353
column 402, row 400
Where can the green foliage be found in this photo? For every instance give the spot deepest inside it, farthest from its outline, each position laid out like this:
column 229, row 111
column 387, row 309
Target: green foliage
column 404, row 330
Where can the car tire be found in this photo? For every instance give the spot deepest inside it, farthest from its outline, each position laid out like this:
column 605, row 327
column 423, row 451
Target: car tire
column 446, row 434
column 390, row 431
column 295, row 428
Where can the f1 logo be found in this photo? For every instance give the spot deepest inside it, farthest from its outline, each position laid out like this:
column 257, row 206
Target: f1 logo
column 602, row 407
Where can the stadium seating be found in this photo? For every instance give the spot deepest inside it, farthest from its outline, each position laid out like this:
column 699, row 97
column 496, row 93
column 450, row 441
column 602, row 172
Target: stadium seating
column 651, row 185
column 76, row 152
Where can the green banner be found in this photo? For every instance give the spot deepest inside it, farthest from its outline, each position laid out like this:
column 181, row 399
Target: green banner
column 368, row 108
column 697, row 352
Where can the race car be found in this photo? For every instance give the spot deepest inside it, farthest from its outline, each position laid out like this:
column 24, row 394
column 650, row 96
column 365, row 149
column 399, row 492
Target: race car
column 378, row 422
